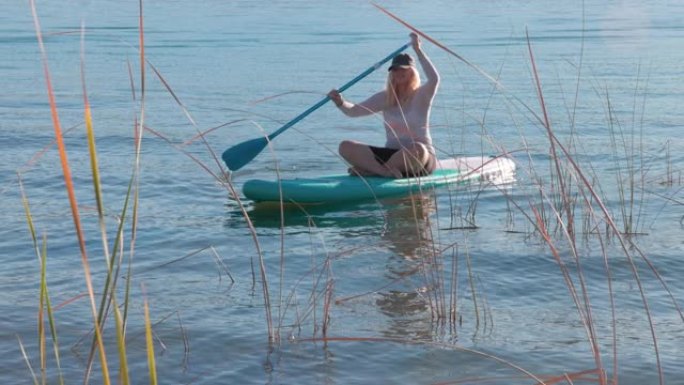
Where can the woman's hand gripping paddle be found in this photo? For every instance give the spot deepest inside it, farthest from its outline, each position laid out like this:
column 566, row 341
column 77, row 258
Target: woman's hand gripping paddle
column 241, row 154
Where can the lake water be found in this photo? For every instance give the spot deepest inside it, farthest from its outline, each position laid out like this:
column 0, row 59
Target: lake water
column 379, row 279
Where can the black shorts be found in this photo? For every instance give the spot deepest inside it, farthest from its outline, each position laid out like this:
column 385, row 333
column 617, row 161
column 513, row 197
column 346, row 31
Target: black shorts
column 383, row 154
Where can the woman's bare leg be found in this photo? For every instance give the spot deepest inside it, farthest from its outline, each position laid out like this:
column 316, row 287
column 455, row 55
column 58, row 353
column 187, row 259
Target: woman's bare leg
column 362, row 160
column 409, row 160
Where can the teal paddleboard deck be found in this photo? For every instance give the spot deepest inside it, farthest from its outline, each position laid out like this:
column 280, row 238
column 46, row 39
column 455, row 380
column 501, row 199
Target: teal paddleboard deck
column 345, row 188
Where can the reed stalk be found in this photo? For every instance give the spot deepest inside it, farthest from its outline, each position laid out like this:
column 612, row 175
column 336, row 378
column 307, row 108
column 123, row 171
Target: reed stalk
column 28, row 361
column 71, row 193
column 475, row 352
column 583, row 306
column 44, row 298
column 149, row 342
column 225, row 181
column 108, row 294
column 613, row 228
column 553, row 218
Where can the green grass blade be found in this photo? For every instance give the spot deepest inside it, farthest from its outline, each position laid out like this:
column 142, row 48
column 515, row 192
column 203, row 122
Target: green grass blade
column 27, row 211
column 121, row 346
column 44, row 293
column 41, row 314
column 92, row 148
column 68, row 180
column 50, row 313
column 41, row 301
column 150, row 346
column 110, row 281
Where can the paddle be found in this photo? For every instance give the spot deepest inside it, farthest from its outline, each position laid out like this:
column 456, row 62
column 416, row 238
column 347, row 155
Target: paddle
column 241, row 154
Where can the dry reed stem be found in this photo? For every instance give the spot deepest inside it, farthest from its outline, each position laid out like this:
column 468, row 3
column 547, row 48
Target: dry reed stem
column 479, row 70
column 339, row 301
column 568, row 228
column 623, row 244
column 271, row 97
column 547, row 125
column 226, row 182
column 221, row 266
column 281, row 212
column 292, row 297
column 212, row 129
column 581, row 176
column 566, row 378
column 433, row 344
column 186, row 343
column 611, row 225
column 611, row 293
column 39, row 154
column 28, row 361
column 453, row 294
column 200, row 134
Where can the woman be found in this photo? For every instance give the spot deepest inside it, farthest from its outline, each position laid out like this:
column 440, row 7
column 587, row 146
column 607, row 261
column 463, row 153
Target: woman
column 405, row 106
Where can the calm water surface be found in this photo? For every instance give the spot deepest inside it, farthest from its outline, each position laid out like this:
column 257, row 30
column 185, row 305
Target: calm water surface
column 371, row 261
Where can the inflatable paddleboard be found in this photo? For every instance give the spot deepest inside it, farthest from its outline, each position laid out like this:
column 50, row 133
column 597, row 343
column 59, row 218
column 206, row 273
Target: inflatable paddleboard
column 345, row 188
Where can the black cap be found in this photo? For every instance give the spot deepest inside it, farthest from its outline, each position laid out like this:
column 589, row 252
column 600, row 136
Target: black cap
column 403, row 60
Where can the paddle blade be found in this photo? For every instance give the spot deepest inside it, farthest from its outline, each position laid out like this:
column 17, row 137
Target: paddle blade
column 241, row 154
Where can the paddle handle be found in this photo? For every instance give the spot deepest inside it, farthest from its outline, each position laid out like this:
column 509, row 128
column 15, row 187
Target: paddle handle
column 341, row 89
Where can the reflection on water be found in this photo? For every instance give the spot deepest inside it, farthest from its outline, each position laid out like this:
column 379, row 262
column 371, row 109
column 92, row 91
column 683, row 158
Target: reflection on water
column 405, row 231
column 408, row 229
column 355, row 217
column 411, row 262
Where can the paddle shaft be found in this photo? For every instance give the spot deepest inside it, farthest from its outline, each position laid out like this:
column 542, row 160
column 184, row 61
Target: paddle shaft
column 239, row 155
column 341, row 89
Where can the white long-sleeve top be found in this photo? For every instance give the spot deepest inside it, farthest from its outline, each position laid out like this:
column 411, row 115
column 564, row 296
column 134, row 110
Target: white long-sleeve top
column 407, row 124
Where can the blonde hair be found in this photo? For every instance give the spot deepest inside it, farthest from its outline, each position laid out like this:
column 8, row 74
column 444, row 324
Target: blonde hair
column 401, row 95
